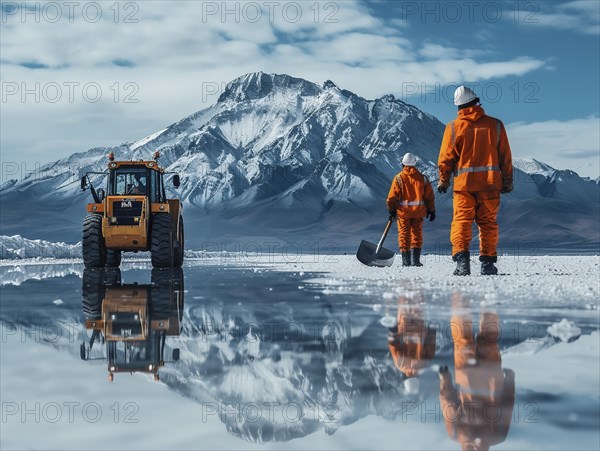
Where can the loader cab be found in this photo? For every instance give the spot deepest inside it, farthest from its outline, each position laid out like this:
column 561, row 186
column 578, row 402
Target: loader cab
column 136, row 180
column 132, row 215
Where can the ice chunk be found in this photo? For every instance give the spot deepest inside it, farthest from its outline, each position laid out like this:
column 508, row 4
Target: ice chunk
column 565, row 330
column 388, row 321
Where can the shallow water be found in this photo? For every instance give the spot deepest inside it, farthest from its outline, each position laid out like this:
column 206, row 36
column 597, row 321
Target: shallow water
column 270, row 356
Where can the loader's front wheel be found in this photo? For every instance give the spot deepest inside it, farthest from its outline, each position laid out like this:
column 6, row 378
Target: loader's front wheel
column 113, row 258
column 93, row 247
column 162, row 241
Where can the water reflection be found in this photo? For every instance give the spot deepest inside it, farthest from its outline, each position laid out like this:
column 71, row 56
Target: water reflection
column 411, row 342
column 281, row 370
column 133, row 321
column 477, row 406
column 275, row 365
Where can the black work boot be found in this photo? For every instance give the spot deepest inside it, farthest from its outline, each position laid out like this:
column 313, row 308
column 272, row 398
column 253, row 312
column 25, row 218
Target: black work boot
column 416, row 257
column 406, row 258
column 487, row 265
column 463, row 263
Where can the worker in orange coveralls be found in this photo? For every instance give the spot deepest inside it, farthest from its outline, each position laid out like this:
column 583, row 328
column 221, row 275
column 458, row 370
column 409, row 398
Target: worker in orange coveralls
column 475, row 148
column 411, row 199
column 411, row 343
column 477, row 410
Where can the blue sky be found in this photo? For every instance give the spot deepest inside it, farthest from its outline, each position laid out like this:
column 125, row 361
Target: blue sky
column 79, row 77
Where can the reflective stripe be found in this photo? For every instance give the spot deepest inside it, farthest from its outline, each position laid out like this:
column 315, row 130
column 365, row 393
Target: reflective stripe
column 478, row 169
column 412, row 203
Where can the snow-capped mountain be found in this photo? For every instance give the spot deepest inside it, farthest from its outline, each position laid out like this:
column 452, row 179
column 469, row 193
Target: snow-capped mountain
column 16, row 248
column 282, row 157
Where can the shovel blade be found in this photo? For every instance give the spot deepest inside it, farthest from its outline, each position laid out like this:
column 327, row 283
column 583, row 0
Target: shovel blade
column 367, row 256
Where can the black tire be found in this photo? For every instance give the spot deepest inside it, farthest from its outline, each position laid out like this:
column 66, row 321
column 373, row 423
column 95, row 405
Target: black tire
column 93, row 247
column 161, row 246
column 113, row 258
column 92, row 293
column 166, row 293
column 94, row 283
column 179, row 246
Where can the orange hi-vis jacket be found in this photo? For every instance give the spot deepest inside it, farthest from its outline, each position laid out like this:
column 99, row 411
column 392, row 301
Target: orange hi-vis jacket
column 411, row 194
column 475, row 148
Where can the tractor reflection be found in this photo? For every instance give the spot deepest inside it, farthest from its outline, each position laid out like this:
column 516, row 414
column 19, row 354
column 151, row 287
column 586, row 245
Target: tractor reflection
column 132, row 320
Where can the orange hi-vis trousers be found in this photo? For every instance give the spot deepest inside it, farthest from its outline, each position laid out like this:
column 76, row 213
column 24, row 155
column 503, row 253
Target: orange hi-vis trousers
column 410, row 233
column 481, row 207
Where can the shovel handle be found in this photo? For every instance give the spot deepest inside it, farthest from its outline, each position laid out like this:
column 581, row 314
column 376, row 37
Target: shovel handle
column 385, row 232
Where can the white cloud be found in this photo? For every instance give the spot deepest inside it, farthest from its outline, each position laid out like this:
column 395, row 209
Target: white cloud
column 361, row 48
column 572, row 144
column 457, row 71
column 580, row 16
column 437, row 51
column 176, row 50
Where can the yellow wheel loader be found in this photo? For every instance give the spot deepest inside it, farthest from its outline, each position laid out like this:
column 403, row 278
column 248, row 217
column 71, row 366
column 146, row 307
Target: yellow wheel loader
column 132, row 214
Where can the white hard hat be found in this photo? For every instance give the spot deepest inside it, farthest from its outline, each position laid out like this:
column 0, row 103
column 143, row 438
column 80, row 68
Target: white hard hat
column 463, row 95
column 409, row 159
column 411, row 385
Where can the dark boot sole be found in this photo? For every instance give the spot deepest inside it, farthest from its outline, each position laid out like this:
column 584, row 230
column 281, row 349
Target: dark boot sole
column 489, row 273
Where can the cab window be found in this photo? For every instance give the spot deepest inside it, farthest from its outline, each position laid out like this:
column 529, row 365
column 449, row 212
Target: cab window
column 130, row 181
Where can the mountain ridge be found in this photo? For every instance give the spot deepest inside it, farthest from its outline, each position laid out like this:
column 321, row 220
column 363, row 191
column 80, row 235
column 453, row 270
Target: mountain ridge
column 288, row 153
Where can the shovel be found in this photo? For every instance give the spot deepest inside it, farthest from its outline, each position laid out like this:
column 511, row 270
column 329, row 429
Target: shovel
column 374, row 254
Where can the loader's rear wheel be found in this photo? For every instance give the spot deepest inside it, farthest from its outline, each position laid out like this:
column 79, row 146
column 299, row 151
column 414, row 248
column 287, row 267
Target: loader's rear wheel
column 178, row 246
column 94, row 250
column 113, row 258
column 162, row 241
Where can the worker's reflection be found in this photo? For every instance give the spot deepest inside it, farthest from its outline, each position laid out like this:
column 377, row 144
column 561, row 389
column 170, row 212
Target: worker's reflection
column 411, row 342
column 133, row 320
column 477, row 408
